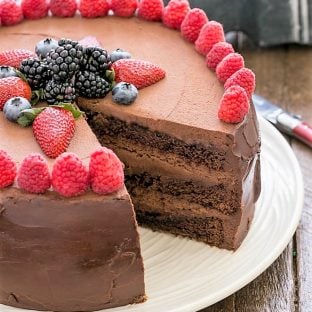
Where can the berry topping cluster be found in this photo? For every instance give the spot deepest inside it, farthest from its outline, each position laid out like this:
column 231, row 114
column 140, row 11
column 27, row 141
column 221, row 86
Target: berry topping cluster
column 70, row 176
column 58, row 73
column 62, row 70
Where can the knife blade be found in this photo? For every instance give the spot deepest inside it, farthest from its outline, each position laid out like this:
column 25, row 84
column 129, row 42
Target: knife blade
column 283, row 120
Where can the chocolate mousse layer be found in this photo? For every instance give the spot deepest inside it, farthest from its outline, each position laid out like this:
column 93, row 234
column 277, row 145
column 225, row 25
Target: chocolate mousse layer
column 66, row 254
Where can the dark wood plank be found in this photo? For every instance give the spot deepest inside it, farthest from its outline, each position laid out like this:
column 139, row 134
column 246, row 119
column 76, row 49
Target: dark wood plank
column 274, row 290
column 299, row 92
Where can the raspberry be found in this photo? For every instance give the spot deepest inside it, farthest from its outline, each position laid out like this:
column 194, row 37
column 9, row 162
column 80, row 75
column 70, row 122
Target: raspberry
column 211, row 33
column 193, row 23
column 151, row 10
column 175, row 12
column 11, row 12
column 124, row 8
column 63, row 8
column 229, row 65
column 69, row 175
column 7, row 170
column 33, row 175
column 244, row 78
column 218, row 52
column 93, row 8
column 35, row 9
column 106, row 171
column 234, row 105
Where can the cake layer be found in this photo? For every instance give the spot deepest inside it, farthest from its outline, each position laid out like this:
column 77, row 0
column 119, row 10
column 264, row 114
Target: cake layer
column 66, row 254
column 221, row 197
column 161, row 150
column 150, row 157
column 201, row 216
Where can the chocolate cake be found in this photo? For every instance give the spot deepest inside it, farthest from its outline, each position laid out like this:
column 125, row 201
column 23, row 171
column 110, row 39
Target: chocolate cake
column 187, row 172
column 66, row 254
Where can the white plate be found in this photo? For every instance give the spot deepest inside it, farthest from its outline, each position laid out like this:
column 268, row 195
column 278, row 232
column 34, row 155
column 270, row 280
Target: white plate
column 183, row 275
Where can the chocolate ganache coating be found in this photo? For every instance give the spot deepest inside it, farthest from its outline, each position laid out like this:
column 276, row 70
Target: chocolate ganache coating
column 81, row 254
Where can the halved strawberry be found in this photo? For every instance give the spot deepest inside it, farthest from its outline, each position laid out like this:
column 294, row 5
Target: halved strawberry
column 12, row 87
column 140, row 73
column 53, row 129
column 15, row 57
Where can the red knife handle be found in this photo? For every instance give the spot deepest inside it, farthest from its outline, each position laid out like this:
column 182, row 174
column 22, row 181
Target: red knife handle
column 304, row 133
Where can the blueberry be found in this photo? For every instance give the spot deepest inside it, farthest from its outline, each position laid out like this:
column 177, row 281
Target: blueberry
column 119, row 54
column 124, row 93
column 8, row 71
column 14, row 106
column 43, row 47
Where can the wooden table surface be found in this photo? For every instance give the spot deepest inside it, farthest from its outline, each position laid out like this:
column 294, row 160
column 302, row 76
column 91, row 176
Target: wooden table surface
column 284, row 76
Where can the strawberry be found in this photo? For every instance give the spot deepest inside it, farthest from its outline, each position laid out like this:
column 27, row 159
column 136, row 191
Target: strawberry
column 12, row 87
column 90, row 41
column 15, row 57
column 210, row 34
column 151, row 10
column 11, row 13
column 234, row 105
column 70, row 177
column 193, row 23
column 62, row 8
column 140, row 73
column 33, row 175
column 124, row 8
column 35, row 9
column 53, row 129
column 229, row 65
column 7, row 170
column 93, row 8
column 106, row 171
column 217, row 53
column 244, row 78
column 175, row 12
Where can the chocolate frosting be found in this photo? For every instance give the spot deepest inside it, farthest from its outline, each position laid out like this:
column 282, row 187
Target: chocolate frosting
column 81, row 254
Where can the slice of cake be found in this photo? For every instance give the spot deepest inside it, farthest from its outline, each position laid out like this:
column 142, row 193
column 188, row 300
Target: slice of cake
column 66, row 254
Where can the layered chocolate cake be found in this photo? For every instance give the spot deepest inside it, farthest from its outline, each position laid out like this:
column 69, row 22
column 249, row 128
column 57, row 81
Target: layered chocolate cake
column 188, row 173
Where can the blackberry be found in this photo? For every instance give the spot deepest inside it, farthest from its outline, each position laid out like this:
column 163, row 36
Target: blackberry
column 35, row 71
column 96, row 60
column 64, row 61
column 91, row 85
column 59, row 92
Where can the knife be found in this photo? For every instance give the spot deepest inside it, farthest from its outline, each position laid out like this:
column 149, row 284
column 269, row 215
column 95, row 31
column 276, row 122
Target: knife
column 284, row 121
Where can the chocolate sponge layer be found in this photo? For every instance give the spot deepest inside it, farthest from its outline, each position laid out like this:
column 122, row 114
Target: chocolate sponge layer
column 215, row 196
column 110, row 129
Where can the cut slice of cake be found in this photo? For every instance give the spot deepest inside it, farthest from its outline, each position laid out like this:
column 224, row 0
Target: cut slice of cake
column 66, row 254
